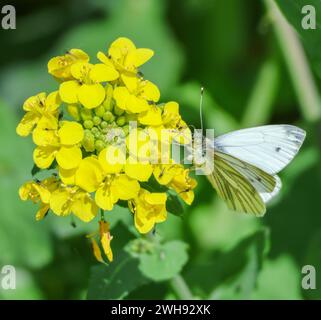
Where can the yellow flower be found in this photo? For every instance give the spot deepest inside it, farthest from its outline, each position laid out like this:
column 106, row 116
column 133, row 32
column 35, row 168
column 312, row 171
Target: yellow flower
column 183, row 184
column 126, row 58
column 41, row 111
column 59, row 66
column 67, row 200
column 39, row 192
column 149, row 209
column 140, row 149
column 105, row 239
column 103, row 177
column 139, row 98
column 86, row 87
column 62, row 145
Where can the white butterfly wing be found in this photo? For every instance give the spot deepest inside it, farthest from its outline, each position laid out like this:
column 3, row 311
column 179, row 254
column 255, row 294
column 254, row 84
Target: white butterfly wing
column 269, row 148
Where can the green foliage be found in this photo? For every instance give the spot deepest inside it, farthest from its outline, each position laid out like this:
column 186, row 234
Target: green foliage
column 117, row 280
column 164, row 262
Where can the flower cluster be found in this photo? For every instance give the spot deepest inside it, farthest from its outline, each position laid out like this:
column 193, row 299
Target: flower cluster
column 84, row 131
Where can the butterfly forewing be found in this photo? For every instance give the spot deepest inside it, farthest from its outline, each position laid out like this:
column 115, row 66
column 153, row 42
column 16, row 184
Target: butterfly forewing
column 269, row 148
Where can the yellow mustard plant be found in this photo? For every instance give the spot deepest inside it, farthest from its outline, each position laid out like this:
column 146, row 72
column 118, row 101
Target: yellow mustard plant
column 101, row 136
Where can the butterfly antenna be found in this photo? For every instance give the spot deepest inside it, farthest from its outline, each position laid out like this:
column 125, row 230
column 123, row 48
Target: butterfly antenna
column 201, row 106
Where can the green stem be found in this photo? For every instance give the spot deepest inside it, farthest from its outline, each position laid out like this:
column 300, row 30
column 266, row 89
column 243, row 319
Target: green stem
column 263, row 95
column 102, row 215
column 297, row 64
column 181, row 289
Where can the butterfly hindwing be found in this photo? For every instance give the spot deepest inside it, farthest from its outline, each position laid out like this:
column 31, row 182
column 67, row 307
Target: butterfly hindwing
column 244, row 187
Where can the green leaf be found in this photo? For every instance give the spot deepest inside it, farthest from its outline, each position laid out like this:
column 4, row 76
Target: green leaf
column 165, row 261
column 34, row 170
column 116, row 280
column 278, row 280
column 232, row 274
column 174, row 204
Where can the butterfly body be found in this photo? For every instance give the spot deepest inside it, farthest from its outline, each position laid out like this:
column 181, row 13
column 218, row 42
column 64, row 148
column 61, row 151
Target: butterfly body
column 247, row 161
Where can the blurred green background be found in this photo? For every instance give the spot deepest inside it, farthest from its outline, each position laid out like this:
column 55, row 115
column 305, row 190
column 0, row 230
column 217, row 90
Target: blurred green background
column 253, row 73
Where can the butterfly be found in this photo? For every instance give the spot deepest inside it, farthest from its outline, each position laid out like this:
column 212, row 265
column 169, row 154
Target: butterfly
column 247, row 161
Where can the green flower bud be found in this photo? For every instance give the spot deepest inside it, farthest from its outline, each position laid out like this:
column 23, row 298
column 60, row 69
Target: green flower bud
column 86, row 114
column 108, row 116
column 104, row 124
column 99, row 111
column 131, row 117
column 121, row 121
column 118, row 111
column 99, row 145
column 88, row 124
column 94, row 130
column 89, row 142
column 108, row 103
column 126, row 130
column 96, row 121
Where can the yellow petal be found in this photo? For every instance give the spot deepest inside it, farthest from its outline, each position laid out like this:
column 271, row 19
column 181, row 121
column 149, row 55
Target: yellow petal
column 79, row 54
column 120, row 47
column 138, row 57
column 69, row 157
column 27, row 124
column 89, row 174
column 71, row 133
column 138, row 171
column 43, row 157
column 33, row 102
column 105, row 240
column 91, row 96
column 121, row 95
column 151, row 117
column 43, row 210
column 48, row 121
column 53, row 101
column 43, row 192
column 101, row 73
column 67, row 176
column 143, row 226
column 156, row 198
column 80, row 70
column 42, row 137
column 60, row 202
column 130, row 79
column 68, row 91
column 126, row 187
column 73, row 110
column 112, row 159
column 150, row 91
column 105, row 197
column 84, row 207
column 104, row 59
column 97, row 251
column 136, row 105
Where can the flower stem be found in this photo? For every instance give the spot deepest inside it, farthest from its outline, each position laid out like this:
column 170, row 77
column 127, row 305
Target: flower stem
column 181, row 288
column 102, row 215
column 258, row 109
column 295, row 58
